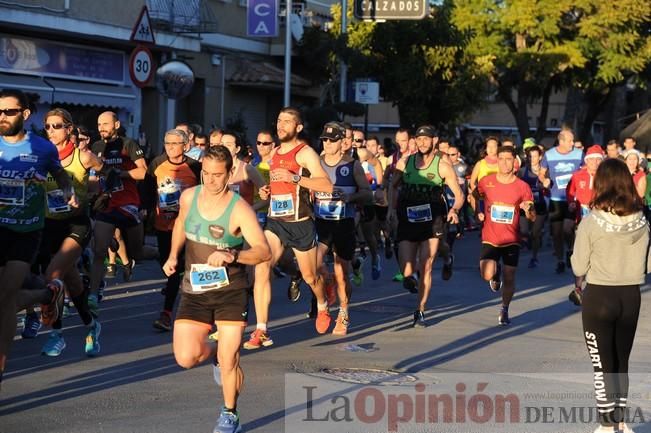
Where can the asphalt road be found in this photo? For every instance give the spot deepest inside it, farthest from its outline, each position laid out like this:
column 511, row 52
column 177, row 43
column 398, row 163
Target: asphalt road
column 136, row 386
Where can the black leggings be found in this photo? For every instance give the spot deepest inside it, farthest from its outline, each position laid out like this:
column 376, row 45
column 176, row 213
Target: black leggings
column 610, row 316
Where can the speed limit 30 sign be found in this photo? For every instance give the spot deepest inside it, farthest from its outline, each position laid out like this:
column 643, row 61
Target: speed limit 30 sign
column 141, row 66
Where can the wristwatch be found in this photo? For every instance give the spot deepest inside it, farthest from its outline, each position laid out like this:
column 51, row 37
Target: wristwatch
column 296, row 178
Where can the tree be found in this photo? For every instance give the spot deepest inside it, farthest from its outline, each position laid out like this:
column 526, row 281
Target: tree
column 529, row 48
column 419, row 65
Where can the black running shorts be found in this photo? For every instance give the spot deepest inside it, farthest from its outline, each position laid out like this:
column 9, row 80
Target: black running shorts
column 299, row 235
column 227, row 305
column 19, row 246
column 338, row 235
column 509, row 254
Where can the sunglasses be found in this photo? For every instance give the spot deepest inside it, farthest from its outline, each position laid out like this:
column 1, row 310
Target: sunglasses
column 264, row 143
column 82, row 138
column 47, row 126
column 11, row 112
column 358, row 140
column 329, row 140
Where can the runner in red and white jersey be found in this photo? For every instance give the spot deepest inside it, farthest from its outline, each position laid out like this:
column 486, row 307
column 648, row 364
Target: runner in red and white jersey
column 504, row 195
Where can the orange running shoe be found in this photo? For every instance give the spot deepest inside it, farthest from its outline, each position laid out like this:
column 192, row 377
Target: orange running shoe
column 258, row 338
column 323, row 320
column 51, row 312
column 341, row 325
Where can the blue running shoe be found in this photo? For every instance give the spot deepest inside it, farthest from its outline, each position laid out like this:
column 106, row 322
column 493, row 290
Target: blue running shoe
column 54, row 344
column 92, row 339
column 228, row 422
column 31, row 325
column 376, row 269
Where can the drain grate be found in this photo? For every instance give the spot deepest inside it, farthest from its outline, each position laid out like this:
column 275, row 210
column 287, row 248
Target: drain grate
column 367, row 376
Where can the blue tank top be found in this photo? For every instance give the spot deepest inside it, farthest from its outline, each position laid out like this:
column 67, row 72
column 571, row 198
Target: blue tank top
column 330, row 206
column 23, row 172
column 560, row 169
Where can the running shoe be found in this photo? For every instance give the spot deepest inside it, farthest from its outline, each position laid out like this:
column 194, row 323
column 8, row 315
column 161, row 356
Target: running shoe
column 419, row 320
column 576, row 296
column 110, row 270
column 503, row 318
column 495, row 283
column 214, row 336
column 228, row 422
column 93, row 305
column 398, row 277
column 410, row 284
column 376, row 269
column 331, row 289
column 92, row 339
column 127, row 270
column 313, row 309
column 446, row 271
column 388, row 248
column 54, row 344
column 217, row 373
column 358, row 276
column 164, row 321
column 323, row 320
column 294, row 289
column 341, row 325
column 31, row 325
column 533, row 263
column 52, row 311
column 258, row 338
column 560, row 267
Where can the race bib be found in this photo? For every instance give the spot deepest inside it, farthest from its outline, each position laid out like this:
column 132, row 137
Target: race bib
column 205, row 278
column 56, row 202
column 419, row 214
column 235, row 187
column 331, row 209
column 281, row 205
column 169, row 201
column 585, row 210
column 12, row 191
column 562, row 181
column 502, row 214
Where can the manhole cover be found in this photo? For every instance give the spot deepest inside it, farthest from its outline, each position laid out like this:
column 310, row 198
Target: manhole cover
column 367, row 376
column 383, row 308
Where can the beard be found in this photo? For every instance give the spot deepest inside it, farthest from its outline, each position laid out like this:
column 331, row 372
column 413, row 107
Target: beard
column 8, row 129
column 285, row 136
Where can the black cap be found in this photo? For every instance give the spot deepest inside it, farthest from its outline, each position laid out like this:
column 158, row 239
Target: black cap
column 426, row 131
column 333, row 131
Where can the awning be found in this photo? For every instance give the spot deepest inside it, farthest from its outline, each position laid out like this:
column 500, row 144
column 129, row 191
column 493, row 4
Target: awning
column 83, row 93
column 28, row 84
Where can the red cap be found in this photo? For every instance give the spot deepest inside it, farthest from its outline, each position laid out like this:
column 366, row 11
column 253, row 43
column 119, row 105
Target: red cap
column 594, row 151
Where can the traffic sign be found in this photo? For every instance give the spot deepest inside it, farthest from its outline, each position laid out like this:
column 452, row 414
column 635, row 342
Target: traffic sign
column 141, row 66
column 390, row 9
column 143, row 31
column 367, row 92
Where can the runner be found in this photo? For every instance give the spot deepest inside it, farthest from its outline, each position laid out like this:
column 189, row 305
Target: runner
column 25, row 159
column 633, row 160
column 290, row 223
column 612, row 252
column 335, row 216
column 245, row 179
column 579, row 195
column 504, row 195
column 167, row 177
column 460, row 169
column 533, row 230
column 613, row 149
column 67, row 232
column 557, row 168
column 421, row 212
column 213, row 224
column 124, row 164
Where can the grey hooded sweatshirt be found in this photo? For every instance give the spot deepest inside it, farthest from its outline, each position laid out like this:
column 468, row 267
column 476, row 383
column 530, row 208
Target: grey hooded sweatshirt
column 611, row 250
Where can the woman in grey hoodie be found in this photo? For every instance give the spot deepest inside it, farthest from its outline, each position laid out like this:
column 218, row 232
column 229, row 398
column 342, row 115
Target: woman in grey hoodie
column 611, row 251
